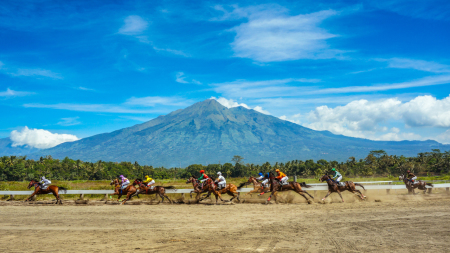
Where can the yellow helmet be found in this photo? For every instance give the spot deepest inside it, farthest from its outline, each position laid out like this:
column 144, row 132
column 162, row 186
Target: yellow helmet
column 147, row 176
column 277, row 170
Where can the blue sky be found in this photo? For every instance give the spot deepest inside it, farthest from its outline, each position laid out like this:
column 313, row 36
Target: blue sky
column 374, row 70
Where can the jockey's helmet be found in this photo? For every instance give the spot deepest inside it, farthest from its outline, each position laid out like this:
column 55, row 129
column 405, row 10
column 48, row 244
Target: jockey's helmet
column 261, row 174
column 219, row 173
column 277, row 170
column 202, row 171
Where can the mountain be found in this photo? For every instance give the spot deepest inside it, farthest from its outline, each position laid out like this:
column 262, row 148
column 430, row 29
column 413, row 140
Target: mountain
column 6, row 148
column 208, row 132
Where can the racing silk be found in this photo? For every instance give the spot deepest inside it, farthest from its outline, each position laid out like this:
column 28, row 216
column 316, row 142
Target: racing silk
column 260, row 178
column 45, row 182
column 125, row 181
column 411, row 175
column 204, row 176
column 221, row 180
column 280, row 175
column 147, row 180
column 337, row 174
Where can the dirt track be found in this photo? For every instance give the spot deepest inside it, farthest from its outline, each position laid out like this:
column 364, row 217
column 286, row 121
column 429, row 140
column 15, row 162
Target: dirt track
column 397, row 223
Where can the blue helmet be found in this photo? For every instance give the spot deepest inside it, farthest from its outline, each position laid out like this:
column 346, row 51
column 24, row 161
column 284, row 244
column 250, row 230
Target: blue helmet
column 268, row 174
column 261, row 174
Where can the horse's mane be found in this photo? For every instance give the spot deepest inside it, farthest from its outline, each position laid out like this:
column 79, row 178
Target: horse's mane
column 138, row 179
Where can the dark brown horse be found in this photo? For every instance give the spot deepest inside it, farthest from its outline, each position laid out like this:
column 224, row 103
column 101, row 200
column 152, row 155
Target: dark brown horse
column 50, row 189
column 421, row 185
column 257, row 188
column 129, row 191
column 348, row 186
column 275, row 186
column 160, row 190
column 208, row 186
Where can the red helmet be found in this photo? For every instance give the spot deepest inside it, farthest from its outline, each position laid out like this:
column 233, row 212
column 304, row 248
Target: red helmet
column 202, row 171
column 408, row 171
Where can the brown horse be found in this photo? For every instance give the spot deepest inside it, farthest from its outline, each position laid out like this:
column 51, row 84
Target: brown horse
column 229, row 189
column 349, row 186
column 257, row 188
column 129, row 191
column 421, row 185
column 208, row 186
column 160, row 190
column 275, row 186
column 50, row 189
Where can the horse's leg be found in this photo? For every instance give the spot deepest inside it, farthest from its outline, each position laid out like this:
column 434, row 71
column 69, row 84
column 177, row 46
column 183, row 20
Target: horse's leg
column 360, row 193
column 303, row 195
column 329, row 192
column 339, row 192
column 252, row 191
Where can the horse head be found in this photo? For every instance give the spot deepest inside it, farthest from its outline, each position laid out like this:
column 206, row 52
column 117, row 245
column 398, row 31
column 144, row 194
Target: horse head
column 137, row 181
column 324, row 178
column 190, row 180
column 32, row 182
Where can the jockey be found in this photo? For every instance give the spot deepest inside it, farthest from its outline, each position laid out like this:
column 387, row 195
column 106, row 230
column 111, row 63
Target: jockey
column 202, row 178
column 149, row 181
column 44, row 183
column 221, row 182
column 282, row 177
column 411, row 177
column 125, row 182
column 261, row 177
column 265, row 182
column 337, row 175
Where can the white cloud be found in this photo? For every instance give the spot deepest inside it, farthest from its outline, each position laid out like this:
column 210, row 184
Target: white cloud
column 172, row 51
column 363, row 118
column 272, row 35
column 426, row 81
column 444, row 137
column 36, row 72
column 13, row 93
column 39, row 138
column 71, row 121
column 152, row 101
column 133, row 25
column 294, row 118
column 181, row 78
column 230, row 103
column 261, row 89
column 427, row 66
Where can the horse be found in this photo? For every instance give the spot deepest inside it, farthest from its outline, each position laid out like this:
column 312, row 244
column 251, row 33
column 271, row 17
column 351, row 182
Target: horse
column 410, row 186
column 129, row 191
column 229, row 189
column 256, row 186
column 349, row 186
column 160, row 190
column 275, row 187
column 208, row 186
column 50, row 189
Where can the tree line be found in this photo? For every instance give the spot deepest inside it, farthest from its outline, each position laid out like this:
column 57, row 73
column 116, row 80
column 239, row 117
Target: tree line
column 377, row 162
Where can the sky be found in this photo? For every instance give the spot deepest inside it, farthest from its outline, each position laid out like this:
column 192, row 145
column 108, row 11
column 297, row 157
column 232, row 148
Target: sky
column 372, row 69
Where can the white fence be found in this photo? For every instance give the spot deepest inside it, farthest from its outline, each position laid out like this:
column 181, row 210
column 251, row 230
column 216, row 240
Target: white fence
column 373, row 185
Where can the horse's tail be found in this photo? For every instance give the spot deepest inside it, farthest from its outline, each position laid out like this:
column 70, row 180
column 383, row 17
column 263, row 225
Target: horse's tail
column 60, row 188
column 169, row 187
column 242, row 185
column 429, row 184
column 303, row 184
column 356, row 184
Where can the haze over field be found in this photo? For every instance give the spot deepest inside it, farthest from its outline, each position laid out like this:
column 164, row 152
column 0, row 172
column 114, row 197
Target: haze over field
column 319, row 73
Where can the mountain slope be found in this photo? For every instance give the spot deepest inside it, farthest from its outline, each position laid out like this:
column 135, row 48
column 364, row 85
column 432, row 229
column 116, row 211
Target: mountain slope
column 208, row 132
column 6, row 148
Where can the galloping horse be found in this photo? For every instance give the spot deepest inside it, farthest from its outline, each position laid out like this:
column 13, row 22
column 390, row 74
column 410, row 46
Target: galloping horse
column 129, row 191
column 410, row 186
column 349, row 186
column 160, row 190
column 208, row 186
column 50, row 189
column 256, row 186
column 275, row 187
column 229, row 189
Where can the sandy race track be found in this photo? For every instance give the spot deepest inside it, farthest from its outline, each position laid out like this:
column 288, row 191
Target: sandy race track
column 396, row 224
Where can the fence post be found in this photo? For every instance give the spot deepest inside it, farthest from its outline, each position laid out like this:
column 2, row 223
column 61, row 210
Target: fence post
column 81, row 196
column 388, row 191
column 295, row 178
column 11, row 197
